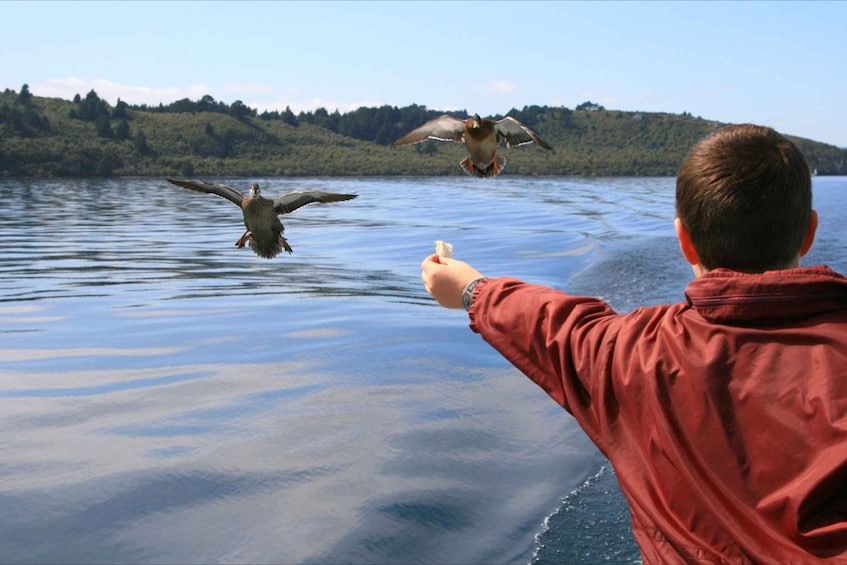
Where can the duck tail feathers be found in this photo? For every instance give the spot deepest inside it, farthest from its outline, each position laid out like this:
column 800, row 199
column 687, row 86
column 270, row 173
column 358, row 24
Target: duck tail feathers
column 487, row 172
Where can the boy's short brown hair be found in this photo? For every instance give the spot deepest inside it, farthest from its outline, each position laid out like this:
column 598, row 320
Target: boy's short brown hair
column 744, row 195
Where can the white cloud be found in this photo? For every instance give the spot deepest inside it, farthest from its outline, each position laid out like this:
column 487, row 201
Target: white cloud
column 110, row 91
column 255, row 95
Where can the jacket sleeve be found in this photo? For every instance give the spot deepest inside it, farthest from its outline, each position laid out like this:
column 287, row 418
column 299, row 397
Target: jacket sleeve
column 563, row 343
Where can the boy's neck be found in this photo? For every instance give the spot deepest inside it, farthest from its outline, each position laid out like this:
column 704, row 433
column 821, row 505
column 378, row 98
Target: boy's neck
column 700, row 270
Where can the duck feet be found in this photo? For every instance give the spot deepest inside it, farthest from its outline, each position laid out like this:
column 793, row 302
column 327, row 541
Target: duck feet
column 467, row 166
column 243, row 239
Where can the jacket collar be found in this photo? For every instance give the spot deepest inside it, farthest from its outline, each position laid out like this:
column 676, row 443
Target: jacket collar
column 730, row 297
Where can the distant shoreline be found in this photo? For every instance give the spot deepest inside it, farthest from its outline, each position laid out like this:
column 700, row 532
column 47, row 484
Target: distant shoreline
column 88, row 138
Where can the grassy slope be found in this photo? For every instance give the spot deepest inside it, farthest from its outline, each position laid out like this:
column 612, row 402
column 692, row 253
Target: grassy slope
column 604, row 142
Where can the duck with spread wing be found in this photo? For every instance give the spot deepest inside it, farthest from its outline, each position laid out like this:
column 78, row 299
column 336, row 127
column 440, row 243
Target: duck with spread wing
column 261, row 215
column 481, row 136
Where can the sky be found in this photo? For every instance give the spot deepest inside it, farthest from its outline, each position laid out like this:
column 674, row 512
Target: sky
column 780, row 64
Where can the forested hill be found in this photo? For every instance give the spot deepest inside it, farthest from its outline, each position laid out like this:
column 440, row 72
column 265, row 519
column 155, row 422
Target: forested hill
column 87, row 137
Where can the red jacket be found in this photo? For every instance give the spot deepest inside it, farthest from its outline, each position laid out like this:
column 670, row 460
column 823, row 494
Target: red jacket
column 725, row 416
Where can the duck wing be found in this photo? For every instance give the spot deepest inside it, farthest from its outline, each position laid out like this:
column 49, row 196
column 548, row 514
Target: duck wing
column 293, row 200
column 222, row 190
column 515, row 133
column 444, row 128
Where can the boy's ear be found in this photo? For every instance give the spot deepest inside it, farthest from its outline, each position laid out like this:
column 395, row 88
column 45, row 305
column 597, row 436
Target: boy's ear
column 810, row 233
column 685, row 244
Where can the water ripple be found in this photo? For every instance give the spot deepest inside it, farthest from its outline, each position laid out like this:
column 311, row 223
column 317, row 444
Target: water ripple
column 168, row 397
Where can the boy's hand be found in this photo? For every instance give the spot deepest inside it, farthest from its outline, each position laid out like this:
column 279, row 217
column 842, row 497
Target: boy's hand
column 445, row 279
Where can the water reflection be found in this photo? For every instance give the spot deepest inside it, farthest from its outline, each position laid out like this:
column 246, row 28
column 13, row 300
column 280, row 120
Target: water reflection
column 74, row 238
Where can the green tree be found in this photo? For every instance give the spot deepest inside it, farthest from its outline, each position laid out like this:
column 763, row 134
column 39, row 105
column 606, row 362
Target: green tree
column 120, row 111
column 92, row 108
column 24, row 97
column 104, row 127
column 105, row 165
column 206, row 104
column 590, row 106
column 289, row 118
column 122, row 131
column 140, row 144
column 240, row 111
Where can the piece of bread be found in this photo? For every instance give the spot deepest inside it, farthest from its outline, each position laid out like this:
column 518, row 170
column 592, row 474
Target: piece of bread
column 444, row 249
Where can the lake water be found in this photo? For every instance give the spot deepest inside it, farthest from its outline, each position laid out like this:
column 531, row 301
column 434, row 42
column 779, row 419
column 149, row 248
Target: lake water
column 168, row 398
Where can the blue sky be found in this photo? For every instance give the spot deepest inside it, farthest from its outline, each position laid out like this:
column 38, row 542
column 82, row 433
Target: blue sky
column 782, row 64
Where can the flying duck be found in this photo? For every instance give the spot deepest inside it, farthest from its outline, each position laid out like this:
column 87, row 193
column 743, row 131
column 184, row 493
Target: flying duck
column 261, row 215
column 481, row 137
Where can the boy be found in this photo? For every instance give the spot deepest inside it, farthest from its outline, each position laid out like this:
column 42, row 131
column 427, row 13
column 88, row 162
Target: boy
column 725, row 416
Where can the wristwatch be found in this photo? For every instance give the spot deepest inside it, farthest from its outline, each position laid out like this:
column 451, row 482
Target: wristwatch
column 467, row 294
